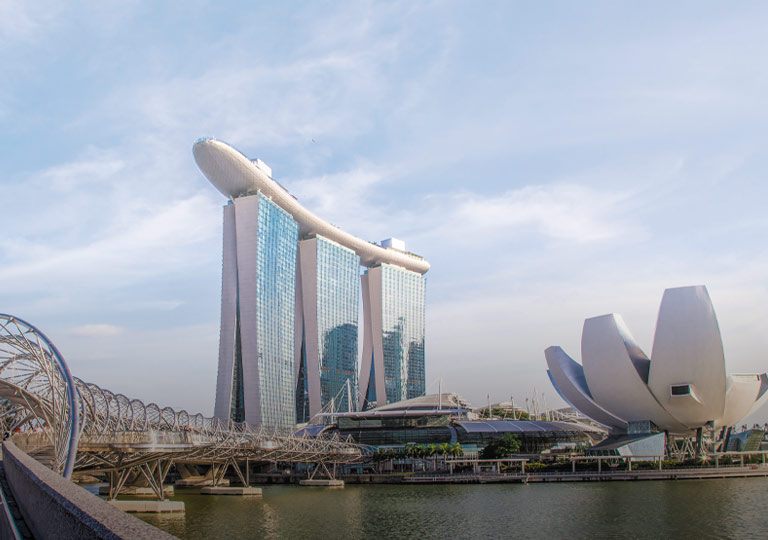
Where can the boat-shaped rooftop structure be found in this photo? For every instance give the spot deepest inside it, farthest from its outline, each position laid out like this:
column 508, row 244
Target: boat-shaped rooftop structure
column 234, row 174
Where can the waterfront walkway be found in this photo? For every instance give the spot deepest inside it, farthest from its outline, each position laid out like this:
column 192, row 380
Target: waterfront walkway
column 693, row 473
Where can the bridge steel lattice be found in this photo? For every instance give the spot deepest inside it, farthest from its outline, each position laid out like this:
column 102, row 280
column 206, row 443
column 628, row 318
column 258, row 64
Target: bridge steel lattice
column 75, row 426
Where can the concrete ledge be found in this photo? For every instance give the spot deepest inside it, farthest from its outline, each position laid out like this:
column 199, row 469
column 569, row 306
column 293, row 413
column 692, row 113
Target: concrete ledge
column 199, row 481
column 322, row 482
column 54, row 507
column 231, row 491
column 148, row 506
column 135, row 491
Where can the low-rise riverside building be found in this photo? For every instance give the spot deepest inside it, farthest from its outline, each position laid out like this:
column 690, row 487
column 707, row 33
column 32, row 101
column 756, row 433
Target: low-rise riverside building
column 446, row 420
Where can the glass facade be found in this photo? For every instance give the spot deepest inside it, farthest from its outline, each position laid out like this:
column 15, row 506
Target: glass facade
column 370, row 394
column 302, row 385
column 237, row 406
column 288, row 342
column 277, row 243
column 534, row 440
column 337, row 291
column 402, row 310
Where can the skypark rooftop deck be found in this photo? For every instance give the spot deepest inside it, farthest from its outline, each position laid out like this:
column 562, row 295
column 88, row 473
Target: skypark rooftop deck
column 234, row 174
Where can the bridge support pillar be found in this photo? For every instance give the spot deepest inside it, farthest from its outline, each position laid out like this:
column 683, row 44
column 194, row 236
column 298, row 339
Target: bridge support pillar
column 330, row 481
column 129, row 478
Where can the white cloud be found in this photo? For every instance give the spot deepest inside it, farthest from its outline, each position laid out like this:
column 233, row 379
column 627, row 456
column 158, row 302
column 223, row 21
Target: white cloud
column 566, row 212
column 563, row 212
column 182, row 359
column 97, row 167
column 161, row 240
column 347, row 199
column 524, row 245
column 276, row 104
column 96, row 330
column 25, row 21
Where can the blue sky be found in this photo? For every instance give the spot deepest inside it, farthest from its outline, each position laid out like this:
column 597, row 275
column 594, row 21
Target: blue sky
column 553, row 161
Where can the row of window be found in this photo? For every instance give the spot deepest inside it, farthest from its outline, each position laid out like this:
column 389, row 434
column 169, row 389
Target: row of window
column 277, row 243
column 403, row 332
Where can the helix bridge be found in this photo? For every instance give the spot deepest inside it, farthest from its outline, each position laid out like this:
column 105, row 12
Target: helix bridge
column 76, row 427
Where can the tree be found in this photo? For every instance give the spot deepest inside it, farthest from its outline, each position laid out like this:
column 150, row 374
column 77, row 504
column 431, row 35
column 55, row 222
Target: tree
column 509, row 444
column 502, row 447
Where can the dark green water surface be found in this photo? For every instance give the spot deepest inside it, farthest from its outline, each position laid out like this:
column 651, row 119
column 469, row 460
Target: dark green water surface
column 732, row 508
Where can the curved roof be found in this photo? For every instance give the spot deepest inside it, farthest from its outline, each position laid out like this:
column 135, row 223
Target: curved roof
column 447, row 400
column 613, row 377
column 518, row 426
column 567, row 377
column 682, row 386
column 233, row 174
column 688, row 349
column 741, row 394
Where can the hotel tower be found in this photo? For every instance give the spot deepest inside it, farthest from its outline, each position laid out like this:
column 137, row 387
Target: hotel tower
column 291, row 287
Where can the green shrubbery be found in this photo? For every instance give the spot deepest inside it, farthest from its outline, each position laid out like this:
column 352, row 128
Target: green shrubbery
column 502, row 447
column 419, row 451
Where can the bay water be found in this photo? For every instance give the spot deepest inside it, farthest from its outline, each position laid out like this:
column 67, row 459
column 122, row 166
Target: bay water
column 723, row 508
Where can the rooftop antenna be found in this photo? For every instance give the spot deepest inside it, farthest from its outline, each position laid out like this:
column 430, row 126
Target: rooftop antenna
column 490, row 416
column 440, row 394
column 514, row 414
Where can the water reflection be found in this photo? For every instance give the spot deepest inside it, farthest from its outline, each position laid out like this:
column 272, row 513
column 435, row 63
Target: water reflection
column 684, row 509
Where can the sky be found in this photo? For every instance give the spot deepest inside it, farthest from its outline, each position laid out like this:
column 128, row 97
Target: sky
column 552, row 160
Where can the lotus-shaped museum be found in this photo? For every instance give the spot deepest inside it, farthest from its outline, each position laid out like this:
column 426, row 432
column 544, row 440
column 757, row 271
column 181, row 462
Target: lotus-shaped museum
column 683, row 385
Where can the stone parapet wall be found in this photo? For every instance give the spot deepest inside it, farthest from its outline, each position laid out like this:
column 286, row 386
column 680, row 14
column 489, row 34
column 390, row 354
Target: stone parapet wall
column 54, row 507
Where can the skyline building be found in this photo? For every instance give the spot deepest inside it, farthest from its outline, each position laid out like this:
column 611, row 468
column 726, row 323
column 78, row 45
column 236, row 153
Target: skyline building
column 254, row 381
column 291, row 288
column 393, row 346
column 327, row 300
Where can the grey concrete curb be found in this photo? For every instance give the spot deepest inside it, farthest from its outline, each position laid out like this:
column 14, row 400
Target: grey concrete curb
column 54, row 507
